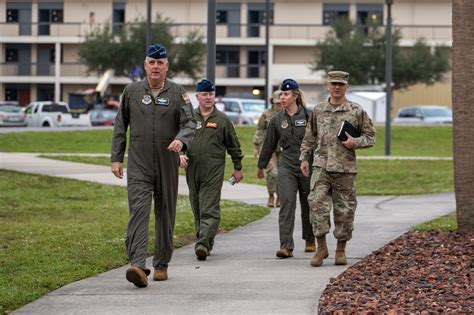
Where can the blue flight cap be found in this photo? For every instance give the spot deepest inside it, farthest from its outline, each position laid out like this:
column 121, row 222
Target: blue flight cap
column 205, row 86
column 289, row 84
column 156, row 51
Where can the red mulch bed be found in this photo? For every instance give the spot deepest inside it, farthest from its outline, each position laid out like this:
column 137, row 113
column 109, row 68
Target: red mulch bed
column 419, row 272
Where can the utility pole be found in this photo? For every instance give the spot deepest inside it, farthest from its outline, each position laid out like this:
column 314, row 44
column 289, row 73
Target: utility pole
column 148, row 24
column 267, row 51
column 388, row 75
column 211, row 40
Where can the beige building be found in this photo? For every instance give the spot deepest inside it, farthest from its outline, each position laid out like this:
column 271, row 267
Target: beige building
column 39, row 40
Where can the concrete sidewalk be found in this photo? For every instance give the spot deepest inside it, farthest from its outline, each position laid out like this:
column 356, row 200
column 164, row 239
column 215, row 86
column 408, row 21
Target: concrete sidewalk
column 242, row 275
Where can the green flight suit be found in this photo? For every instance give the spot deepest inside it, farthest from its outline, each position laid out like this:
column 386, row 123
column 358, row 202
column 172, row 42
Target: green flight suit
column 288, row 132
column 205, row 171
column 152, row 169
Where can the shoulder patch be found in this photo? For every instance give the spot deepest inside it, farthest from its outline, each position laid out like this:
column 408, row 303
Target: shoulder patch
column 185, row 98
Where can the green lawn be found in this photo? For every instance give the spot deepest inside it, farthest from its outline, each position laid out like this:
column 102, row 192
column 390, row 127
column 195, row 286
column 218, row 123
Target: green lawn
column 406, row 141
column 55, row 231
column 375, row 177
column 443, row 223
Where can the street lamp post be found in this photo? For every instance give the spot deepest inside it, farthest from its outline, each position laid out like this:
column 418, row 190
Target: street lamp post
column 211, row 40
column 267, row 50
column 388, row 75
column 148, row 24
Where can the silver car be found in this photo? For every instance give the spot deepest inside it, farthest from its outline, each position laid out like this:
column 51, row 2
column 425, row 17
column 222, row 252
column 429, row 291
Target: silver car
column 425, row 114
column 243, row 111
column 11, row 114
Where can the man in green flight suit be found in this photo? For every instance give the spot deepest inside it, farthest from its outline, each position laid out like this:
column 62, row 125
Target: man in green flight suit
column 161, row 121
column 205, row 163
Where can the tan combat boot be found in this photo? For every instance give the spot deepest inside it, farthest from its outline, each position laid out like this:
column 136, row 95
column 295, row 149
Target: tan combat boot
column 160, row 274
column 137, row 276
column 271, row 201
column 310, row 247
column 321, row 253
column 341, row 253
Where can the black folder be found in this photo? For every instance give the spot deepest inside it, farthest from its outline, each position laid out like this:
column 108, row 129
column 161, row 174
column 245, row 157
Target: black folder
column 349, row 128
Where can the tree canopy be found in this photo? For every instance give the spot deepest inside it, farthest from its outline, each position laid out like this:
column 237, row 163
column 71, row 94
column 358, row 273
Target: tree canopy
column 361, row 52
column 124, row 51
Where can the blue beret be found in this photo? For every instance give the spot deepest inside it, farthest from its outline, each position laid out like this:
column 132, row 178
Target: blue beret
column 289, row 84
column 205, row 86
column 156, row 51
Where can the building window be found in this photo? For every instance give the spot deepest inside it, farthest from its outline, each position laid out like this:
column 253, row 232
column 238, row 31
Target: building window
column 11, row 94
column 229, row 57
column 221, row 17
column 118, row 18
column 334, row 12
column 49, row 13
column 12, row 15
column 370, row 14
column 256, row 18
column 11, row 55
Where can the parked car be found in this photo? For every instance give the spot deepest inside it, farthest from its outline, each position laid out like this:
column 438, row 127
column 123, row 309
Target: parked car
column 11, row 114
column 54, row 114
column 425, row 114
column 243, row 111
column 102, row 117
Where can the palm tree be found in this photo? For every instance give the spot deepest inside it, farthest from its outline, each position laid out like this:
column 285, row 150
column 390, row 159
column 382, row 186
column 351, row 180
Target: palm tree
column 463, row 111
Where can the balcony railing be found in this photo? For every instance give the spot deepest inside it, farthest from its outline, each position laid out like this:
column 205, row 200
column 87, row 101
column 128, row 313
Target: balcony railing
column 243, row 31
column 80, row 70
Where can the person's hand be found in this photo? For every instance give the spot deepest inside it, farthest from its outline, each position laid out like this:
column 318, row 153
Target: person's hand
column 175, row 146
column 260, row 173
column 183, row 161
column 350, row 142
column 238, row 175
column 305, row 168
column 117, row 169
column 256, row 150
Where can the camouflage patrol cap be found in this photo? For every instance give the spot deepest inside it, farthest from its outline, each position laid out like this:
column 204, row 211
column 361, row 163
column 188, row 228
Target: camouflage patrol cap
column 276, row 96
column 338, row 76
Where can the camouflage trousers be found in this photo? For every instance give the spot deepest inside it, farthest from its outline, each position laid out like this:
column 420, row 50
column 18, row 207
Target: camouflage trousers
column 272, row 174
column 336, row 191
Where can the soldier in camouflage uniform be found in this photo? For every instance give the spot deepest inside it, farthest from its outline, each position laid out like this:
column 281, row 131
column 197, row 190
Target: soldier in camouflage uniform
column 205, row 165
column 334, row 165
column 287, row 129
column 272, row 168
column 162, row 123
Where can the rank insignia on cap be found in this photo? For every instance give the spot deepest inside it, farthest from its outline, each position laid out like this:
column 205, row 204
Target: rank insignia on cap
column 162, row 101
column 284, row 124
column 185, row 98
column 146, row 99
column 198, row 124
column 300, row 123
column 211, row 124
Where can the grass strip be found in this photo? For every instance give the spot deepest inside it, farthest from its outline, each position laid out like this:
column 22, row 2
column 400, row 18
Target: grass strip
column 56, row 231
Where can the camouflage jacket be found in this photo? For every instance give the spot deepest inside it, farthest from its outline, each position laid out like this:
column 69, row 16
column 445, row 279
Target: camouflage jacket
column 321, row 136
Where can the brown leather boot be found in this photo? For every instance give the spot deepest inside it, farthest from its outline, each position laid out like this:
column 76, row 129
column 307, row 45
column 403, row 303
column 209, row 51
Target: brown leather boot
column 310, row 247
column 160, row 274
column 321, row 253
column 201, row 253
column 341, row 253
column 137, row 276
column 271, row 201
column 284, row 253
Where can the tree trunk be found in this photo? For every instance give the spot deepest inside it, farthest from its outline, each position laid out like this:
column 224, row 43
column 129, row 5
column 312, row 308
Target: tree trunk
column 463, row 111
